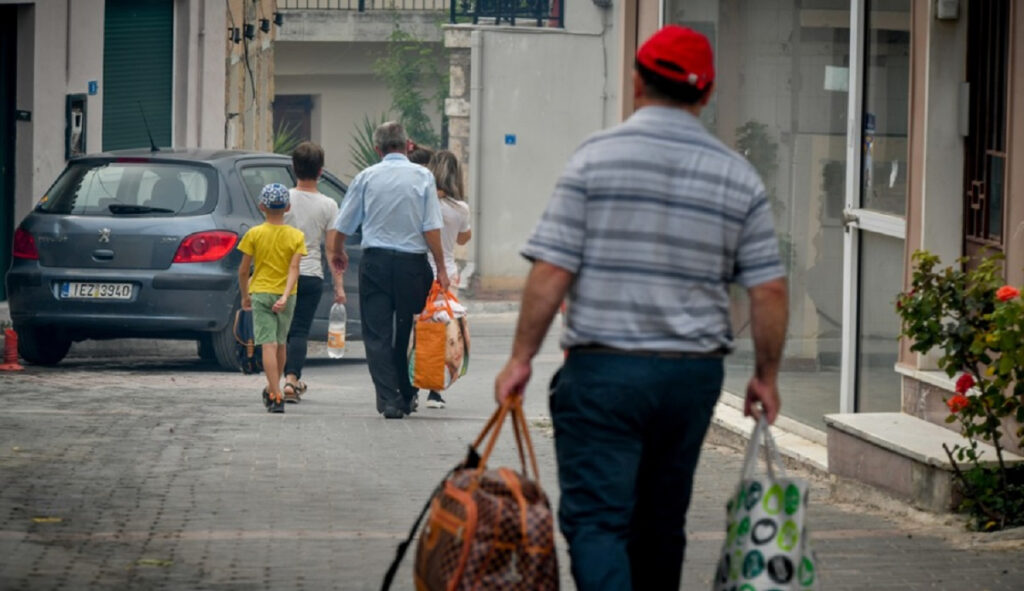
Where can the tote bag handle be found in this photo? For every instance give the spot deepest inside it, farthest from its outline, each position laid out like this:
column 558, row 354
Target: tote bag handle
column 772, row 460
column 431, row 306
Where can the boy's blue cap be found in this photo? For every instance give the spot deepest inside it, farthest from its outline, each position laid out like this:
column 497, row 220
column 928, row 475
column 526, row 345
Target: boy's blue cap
column 274, row 196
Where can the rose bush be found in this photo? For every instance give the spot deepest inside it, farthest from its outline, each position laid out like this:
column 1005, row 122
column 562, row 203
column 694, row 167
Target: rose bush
column 977, row 323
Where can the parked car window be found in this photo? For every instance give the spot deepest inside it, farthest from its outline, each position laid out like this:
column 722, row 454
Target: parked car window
column 122, row 188
column 258, row 176
column 331, row 190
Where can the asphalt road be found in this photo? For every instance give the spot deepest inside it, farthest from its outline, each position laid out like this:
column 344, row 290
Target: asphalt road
column 133, row 466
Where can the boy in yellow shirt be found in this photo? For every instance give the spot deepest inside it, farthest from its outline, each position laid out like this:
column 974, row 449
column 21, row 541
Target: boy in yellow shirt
column 274, row 250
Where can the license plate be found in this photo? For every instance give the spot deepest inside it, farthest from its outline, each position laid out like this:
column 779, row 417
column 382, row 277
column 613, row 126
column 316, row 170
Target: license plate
column 95, row 291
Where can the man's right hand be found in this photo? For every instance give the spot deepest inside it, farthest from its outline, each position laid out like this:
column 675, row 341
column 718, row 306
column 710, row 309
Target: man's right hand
column 246, row 302
column 340, row 261
column 767, row 393
column 442, row 278
column 512, row 380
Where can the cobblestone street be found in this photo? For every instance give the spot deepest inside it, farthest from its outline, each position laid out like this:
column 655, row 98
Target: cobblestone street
column 156, row 472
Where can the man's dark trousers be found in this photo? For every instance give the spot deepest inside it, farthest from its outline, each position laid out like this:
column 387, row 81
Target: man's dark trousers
column 393, row 286
column 628, row 432
column 311, row 288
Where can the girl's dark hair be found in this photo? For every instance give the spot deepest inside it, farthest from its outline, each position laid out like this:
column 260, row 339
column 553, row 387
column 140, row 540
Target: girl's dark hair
column 307, row 161
column 447, row 174
column 660, row 87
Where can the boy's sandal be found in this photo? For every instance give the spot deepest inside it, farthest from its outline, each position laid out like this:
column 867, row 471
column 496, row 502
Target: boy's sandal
column 302, row 387
column 292, row 393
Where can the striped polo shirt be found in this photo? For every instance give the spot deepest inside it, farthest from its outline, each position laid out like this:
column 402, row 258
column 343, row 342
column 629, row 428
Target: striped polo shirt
column 656, row 217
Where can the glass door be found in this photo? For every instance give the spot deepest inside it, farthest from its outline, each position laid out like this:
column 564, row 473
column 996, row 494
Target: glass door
column 876, row 196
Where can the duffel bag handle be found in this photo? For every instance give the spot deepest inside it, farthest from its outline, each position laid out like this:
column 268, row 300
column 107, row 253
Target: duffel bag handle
column 513, row 405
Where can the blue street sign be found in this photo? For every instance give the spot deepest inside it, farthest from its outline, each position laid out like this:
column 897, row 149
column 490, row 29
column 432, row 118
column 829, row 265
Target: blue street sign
column 510, row 139
column 94, row 87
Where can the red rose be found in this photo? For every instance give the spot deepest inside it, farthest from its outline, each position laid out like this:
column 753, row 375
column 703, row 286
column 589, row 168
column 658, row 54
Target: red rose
column 957, row 403
column 965, row 383
column 1007, row 293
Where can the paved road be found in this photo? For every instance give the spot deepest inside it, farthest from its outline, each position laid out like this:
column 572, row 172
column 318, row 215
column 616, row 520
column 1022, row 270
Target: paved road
column 141, row 469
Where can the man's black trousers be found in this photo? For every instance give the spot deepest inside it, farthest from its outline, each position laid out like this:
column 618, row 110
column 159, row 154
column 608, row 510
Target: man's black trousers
column 393, row 286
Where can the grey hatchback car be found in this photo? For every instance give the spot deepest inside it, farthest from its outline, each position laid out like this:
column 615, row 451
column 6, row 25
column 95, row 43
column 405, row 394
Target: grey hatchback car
column 141, row 244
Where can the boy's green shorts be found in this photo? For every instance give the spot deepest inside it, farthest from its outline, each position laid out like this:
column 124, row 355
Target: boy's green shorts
column 268, row 326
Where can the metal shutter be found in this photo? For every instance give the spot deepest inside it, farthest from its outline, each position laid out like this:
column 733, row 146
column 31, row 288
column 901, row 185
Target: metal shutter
column 137, row 68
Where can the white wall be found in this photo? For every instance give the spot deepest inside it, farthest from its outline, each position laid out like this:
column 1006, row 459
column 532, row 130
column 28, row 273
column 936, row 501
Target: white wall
column 547, row 89
column 339, row 76
column 43, row 79
column 199, row 73
column 551, row 88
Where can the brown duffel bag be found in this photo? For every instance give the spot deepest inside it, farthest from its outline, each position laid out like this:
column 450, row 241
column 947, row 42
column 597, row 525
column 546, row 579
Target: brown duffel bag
column 487, row 529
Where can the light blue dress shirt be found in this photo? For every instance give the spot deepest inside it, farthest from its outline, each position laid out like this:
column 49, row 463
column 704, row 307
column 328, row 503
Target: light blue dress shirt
column 395, row 201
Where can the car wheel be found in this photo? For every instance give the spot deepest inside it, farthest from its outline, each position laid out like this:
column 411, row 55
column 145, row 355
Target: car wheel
column 42, row 348
column 223, row 346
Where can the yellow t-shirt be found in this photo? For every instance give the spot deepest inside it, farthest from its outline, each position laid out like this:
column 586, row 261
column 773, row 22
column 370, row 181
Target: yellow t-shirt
column 272, row 247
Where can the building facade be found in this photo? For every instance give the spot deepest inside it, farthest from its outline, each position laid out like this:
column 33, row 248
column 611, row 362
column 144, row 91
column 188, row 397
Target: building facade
column 96, row 75
column 880, row 127
column 325, row 82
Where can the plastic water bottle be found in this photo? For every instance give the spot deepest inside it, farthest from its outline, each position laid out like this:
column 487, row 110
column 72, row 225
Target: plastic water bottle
column 336, row 331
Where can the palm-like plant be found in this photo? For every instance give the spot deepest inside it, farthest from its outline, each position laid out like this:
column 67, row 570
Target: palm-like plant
column 363, row 153
column 286, row 139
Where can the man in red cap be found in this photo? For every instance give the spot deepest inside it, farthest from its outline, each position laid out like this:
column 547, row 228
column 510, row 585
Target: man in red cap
column 649, row 224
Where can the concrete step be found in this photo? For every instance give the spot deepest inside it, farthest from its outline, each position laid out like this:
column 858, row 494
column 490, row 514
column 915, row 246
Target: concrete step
column 900, row 454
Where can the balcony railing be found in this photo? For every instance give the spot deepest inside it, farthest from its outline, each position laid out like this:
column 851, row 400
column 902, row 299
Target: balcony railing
column 542, row 12
column 364, row 5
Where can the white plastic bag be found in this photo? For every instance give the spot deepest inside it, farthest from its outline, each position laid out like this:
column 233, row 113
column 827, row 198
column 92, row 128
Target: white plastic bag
column 766, row 546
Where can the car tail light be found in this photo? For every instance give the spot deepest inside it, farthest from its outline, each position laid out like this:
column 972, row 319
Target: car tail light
column 25, row 246
column 204, row 247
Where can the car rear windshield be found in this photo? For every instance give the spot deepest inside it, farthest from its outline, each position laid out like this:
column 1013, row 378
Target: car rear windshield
column 117, row 188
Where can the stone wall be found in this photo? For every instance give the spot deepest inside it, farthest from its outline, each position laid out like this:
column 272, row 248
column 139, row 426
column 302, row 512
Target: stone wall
column 250, row 77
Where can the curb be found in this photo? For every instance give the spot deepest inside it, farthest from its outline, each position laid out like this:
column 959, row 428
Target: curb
column 800, row 446
column 490, row 306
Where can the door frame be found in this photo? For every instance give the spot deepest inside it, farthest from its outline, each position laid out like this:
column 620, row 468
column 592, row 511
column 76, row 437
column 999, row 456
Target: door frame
column 855, row 218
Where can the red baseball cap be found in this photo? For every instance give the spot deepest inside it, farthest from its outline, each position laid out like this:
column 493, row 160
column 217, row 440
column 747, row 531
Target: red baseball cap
column 680, row 54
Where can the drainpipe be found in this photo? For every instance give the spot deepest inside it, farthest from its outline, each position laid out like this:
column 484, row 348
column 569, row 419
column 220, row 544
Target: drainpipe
column 475, row 88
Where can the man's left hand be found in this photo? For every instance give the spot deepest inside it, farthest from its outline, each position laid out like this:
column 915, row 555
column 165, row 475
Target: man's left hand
column 512, row 380
column 339, row 293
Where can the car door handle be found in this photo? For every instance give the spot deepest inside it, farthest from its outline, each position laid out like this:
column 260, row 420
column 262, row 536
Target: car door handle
column 103, row 255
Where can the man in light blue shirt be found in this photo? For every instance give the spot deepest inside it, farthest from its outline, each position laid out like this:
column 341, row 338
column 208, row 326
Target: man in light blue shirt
column 395, row 202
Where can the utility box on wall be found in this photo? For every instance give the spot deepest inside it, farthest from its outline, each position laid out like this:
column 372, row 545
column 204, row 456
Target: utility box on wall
column 74, row 130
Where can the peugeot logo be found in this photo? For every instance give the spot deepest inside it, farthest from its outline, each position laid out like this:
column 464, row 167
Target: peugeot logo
column 105, row 235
